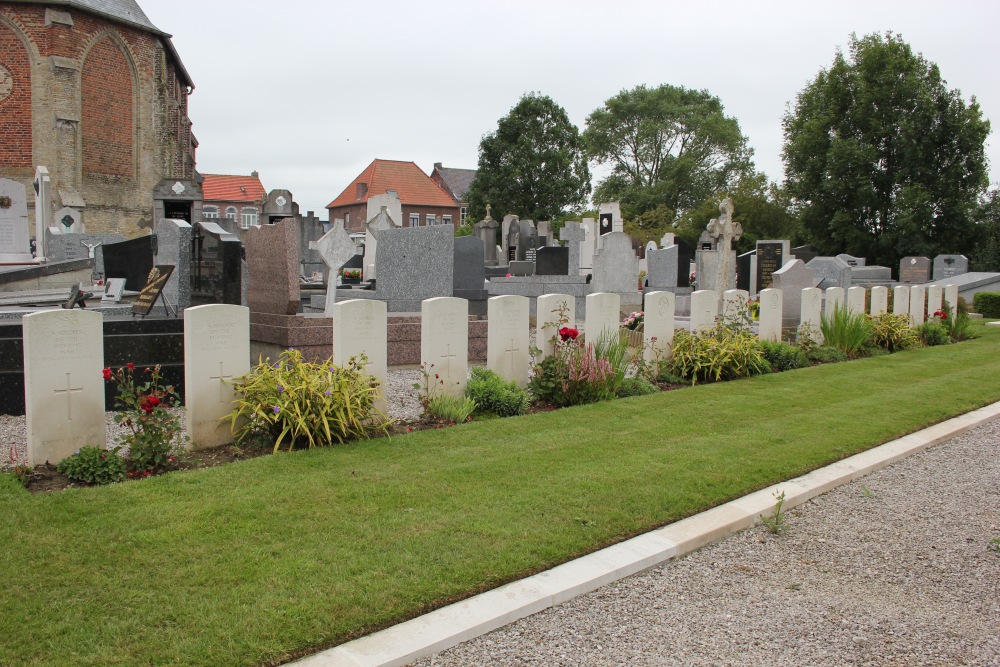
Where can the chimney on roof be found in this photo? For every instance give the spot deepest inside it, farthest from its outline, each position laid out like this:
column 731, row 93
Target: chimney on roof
column 362, row 191
column 437, row 165
column 254, row 174
column 392, row 193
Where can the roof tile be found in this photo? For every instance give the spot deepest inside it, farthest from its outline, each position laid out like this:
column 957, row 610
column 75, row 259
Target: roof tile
column 221, row 187
column 415, row 188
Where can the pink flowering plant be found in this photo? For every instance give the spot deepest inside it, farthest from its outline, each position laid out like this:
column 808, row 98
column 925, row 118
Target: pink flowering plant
column 153, row 440
column 634, row 320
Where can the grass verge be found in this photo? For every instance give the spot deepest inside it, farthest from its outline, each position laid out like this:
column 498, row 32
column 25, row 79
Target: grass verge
column 257, row 562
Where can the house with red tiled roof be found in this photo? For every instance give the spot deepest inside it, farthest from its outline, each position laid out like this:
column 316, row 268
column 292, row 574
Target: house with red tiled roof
column 236, row 201
column 423, row 201
column 455, row 182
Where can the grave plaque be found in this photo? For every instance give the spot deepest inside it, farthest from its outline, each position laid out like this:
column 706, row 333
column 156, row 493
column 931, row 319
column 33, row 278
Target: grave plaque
column 606, row 224
column 770, row 258
column 914, row 270
column 155, row 282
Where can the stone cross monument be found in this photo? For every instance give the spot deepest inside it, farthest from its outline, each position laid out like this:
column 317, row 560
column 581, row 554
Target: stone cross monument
column 725, row 231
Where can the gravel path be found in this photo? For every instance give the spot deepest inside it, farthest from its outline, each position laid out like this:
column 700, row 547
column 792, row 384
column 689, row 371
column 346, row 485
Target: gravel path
column 893, row 569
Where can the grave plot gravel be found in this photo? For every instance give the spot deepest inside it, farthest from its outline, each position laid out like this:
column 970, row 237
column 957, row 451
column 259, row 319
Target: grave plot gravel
column 893, row 569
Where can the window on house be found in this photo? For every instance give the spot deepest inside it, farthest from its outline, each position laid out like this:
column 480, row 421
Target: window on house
column 210, row 212
column 464, row 213
column 347, row 221
column 445, row 219
column 414, row 220
column 431, row 219
column 231, row 212
column 249, row 218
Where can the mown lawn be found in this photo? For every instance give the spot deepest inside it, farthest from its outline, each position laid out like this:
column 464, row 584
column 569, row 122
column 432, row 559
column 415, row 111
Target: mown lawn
column 258, row 562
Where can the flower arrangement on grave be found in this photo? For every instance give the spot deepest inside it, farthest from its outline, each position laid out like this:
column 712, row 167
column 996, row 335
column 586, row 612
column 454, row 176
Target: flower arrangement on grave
column 693, row 280
column 154, row 439
column 753, row 305
column 634, row 321
column 350, row 274
column 940, row 315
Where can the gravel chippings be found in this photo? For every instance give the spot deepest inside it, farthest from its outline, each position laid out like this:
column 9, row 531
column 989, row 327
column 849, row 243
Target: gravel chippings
column 892, row 569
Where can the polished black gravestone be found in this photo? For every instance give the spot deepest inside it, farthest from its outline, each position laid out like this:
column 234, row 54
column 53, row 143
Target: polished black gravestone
column 552, row 261
column 131, row 260
column 684, row 255
column 770, row 258
column 469, row 278
column 806, row 253
column 216, row 272
column 743, row 270
column 144, row 343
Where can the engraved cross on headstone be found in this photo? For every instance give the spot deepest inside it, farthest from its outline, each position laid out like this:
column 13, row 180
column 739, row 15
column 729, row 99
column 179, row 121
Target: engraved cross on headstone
column 511, row 351
column 69, row 391
column 221, row 377
column 725, row 231
column 447, row 362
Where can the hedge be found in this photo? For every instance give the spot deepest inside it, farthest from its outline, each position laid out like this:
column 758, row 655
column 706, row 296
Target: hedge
column 987, row 304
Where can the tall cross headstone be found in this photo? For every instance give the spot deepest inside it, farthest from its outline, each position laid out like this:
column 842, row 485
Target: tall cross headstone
column 573, row 234
column 334, row 248
column 724, row 231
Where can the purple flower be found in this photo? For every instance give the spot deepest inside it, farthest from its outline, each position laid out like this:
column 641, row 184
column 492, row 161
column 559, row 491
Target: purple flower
column 277, row 409
column 280, row 389
column 327, row 392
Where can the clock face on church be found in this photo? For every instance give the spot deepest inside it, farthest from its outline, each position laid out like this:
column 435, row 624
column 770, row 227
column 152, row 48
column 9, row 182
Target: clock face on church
column 6, row 83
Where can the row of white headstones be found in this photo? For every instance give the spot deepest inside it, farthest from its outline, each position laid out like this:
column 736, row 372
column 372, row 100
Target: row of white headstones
column 64, row 351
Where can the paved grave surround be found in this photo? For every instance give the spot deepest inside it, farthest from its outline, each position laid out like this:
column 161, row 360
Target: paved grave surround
column 216, row 352
column 812, row 301
column 880, row 300
column 734, row 301
column 769, row 321
column 603, row 315
column 856, row 300
column 704, row 309
column 901, row 300
column 935, row 295
column 14, row 234
column 444, row 344
column 360, row 327
column 546, row 312
column 272, row 255
column 507, row 340
column 63, row 383
column 834, row 298
column 918, row 301
column 658, row 324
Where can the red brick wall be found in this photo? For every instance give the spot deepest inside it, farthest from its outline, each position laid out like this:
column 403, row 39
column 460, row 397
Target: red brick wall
column 106, row 123
column 15, row 110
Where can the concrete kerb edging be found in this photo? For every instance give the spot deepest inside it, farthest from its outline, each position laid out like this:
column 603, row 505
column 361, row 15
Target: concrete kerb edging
column 459, row 622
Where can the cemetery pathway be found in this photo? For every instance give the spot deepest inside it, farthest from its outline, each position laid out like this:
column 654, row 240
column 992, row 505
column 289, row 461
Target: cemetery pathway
column 893, row 569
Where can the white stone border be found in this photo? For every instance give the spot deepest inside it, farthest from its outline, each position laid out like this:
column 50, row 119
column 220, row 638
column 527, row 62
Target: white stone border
column 459, row 622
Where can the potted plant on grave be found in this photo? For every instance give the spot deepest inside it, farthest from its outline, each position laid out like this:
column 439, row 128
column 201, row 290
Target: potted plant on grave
column 350, row 276
column 632, row 329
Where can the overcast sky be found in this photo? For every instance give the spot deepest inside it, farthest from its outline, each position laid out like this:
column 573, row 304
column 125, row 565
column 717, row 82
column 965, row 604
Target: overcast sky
column 309, row 93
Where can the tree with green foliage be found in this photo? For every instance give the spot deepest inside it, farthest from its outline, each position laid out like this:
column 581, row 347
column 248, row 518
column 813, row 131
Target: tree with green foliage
column 668, row 149
column 533, row 165
column 882, row 158
column 985, row 255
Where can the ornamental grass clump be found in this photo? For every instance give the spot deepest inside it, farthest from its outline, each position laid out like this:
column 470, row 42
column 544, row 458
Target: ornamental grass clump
column 848, row 332
column 306, row 404
column 154, row 438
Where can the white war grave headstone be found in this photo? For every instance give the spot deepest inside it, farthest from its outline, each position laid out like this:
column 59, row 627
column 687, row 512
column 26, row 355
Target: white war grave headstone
column 507, row 351
column 834, row 300
column 901, row 300
column 880, row 300
column 704, row 309
column 603, row 313
column 733, row 302
column 856, row 300
column 444, row 344
column 63, row 384
column 334, row 248
column 934, row 298
column 547, row 321
column 769, row 318
column 216, row 352
column 658, row 325
column 951, row 297
column 14, row 238
column 360, row 327
column 809, row 315
column 918, row 295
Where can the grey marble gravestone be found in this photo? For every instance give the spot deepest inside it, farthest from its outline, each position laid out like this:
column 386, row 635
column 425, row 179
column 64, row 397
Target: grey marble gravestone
column 67, row 221
column 14, row 233
column 415, row 263
column 661, row 268
column 469, row 279
column 66, row 247
column 947, row 266
column 831, row 272
column 573, row 234
column 616, row 268
column 791, row 279
column 851, row 260
column 486, row 231
column 173, row 247
column 530, row 242
column 914, row 270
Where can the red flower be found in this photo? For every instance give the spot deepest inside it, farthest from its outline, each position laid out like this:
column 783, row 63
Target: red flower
column 107, row 373
column 567, row 333
column 130, row 366
column 148, row 403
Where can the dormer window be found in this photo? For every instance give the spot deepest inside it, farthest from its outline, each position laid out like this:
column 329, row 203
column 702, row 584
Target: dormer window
column 362, row 191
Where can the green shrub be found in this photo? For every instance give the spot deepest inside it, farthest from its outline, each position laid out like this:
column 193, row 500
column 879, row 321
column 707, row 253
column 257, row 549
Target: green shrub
column 494, row 395
column 635, row 386
column 724, row 352
column 306, row 403
column 933, row 333
column 573, row 375
column 455, row 409
column 893, row 332
column 826, row 354
column 92, row 465
column 987, row 304
column 957, row 323
column 844, row 330
column 783, row 357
